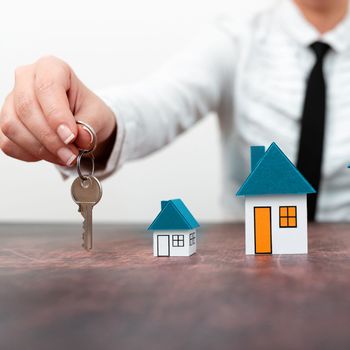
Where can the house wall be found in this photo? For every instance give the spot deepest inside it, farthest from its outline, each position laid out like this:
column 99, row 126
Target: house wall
column 284, row 240
column 193, row 248
column 186, row 250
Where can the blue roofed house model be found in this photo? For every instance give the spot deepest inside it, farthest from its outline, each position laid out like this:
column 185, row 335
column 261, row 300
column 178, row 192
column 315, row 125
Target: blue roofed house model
column 275, row 204
column 174, row 230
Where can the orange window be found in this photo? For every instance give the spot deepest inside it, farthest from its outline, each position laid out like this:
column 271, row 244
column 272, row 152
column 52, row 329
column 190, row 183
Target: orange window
column 288, row 216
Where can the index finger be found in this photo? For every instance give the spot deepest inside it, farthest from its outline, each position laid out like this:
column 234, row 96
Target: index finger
column 51, row 82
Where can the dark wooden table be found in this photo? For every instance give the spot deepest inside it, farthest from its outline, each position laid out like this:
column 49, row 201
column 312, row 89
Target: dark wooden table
column 54, row 295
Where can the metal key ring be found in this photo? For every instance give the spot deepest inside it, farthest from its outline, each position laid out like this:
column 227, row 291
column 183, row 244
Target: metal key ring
column 93, row 135
column 91, row 157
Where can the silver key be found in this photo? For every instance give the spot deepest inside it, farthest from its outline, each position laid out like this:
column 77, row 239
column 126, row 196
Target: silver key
column 86, row 193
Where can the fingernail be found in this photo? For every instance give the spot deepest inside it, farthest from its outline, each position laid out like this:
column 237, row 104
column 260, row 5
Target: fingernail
column 66, row 155
column 65, row 133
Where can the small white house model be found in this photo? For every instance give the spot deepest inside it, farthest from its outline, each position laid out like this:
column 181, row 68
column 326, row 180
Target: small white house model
column 174, row 230
column 275, row 204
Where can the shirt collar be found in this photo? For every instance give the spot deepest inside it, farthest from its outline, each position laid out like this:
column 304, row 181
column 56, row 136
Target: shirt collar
column 305, row 34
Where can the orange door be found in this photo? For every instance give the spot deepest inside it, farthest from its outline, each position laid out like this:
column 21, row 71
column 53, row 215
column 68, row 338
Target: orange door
column 262, row 226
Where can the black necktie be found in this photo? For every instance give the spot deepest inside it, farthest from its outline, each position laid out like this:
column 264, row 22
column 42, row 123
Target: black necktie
column 312, row 126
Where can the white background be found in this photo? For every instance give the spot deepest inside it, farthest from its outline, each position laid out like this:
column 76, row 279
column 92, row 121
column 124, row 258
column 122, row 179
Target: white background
column 113, row 42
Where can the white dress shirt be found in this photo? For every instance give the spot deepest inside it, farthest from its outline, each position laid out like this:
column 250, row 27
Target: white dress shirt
column 254, row 78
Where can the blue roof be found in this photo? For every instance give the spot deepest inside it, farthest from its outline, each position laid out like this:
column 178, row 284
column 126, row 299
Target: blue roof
column 274, row 173
column 174, row 215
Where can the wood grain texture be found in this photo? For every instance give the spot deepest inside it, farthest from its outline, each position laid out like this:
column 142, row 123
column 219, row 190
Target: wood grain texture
column 53, row 295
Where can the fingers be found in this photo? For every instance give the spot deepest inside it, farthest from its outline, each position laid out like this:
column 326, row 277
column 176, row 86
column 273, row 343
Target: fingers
column 13, row 129
column 30, row 114
column 14, row 151
column 52, row 80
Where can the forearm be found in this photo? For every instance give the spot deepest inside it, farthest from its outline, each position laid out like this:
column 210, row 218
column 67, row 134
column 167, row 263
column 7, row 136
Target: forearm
column 166, row 104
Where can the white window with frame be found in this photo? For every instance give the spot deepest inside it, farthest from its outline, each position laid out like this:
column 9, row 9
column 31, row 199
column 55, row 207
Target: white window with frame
column 192, row 238
column 178, row 241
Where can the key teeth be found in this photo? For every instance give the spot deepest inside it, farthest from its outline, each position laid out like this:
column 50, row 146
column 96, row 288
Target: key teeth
column 83, row 237
column 84, row 211
column 84, row 233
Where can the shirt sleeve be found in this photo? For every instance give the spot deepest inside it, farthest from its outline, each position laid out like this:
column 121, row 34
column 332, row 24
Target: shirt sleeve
column 150, row 114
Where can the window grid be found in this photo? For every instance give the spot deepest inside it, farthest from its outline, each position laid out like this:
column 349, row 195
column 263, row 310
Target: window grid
column 288, row 216
column 192, row 238
column 178, row 241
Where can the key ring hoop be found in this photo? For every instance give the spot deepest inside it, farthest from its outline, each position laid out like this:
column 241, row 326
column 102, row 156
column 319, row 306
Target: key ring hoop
column 89, row 155
column 93, row 135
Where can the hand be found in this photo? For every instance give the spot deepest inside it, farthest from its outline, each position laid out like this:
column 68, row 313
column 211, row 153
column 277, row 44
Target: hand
column 38, row 118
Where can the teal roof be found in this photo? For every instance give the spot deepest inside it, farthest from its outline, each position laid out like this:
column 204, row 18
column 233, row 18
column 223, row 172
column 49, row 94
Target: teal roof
column 274, row 173
column 174, row 215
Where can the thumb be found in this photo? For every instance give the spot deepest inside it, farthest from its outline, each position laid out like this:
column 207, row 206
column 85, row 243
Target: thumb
column 85, row 137
column 94, row 112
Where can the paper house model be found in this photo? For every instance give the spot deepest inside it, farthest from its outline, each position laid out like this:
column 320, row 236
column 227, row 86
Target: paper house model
column 275, row 204
column 174, row 230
